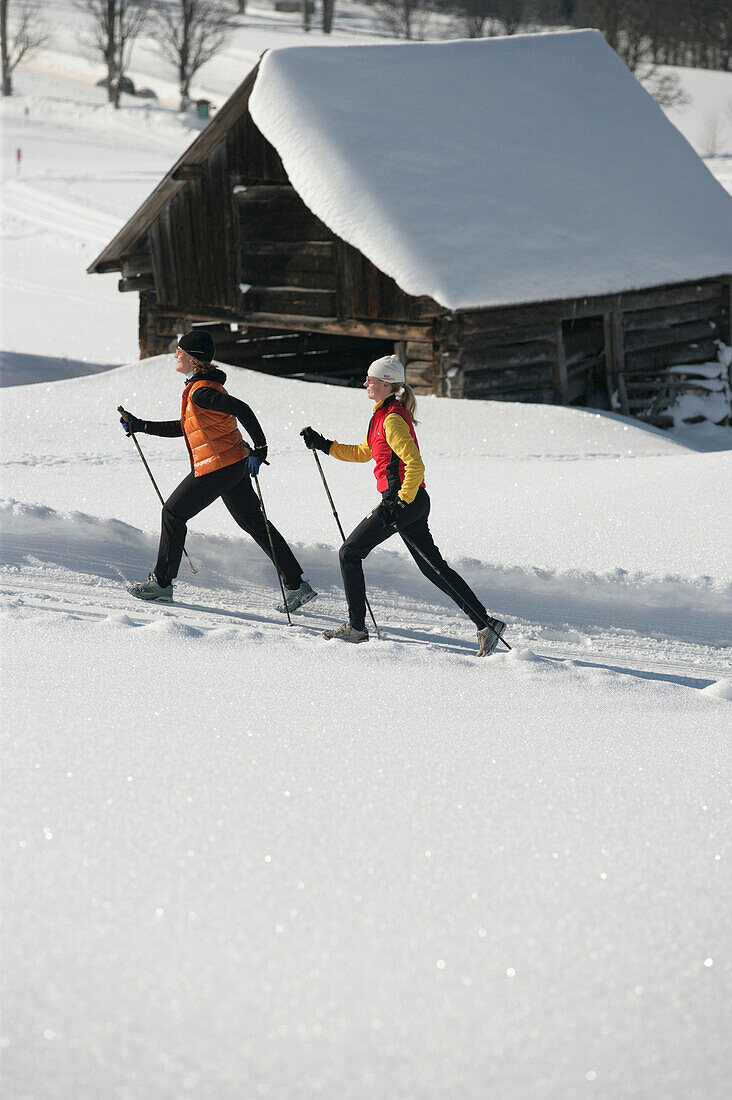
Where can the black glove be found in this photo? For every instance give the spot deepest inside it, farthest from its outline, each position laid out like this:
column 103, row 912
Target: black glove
column 259, row 452
column 315, row 441
column 390, row 511
column 131, row 423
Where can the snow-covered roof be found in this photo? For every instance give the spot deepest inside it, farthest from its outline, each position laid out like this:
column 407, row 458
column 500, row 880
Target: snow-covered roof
column 494, row 171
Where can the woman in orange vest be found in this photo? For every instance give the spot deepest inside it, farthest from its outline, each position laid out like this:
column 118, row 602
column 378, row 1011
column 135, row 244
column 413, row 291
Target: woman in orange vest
column 221, row 466
column 391, row 442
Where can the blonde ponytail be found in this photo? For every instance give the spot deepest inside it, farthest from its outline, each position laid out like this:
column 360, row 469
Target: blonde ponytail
column 406, row 397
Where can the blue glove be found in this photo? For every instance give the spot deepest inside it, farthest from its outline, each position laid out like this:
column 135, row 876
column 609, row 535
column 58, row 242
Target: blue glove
column 253, row 464
column 130, row 423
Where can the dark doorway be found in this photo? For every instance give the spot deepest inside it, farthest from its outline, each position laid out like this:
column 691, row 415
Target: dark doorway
column 309, row 356
column 584, row 356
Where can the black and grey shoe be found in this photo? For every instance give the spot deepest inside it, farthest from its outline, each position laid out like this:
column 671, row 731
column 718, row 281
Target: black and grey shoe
column 151, row 590
column 296, row 597
column 489, row 637
column 347, row 633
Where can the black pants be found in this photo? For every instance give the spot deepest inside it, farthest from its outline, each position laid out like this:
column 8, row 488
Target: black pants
column 234, row 486
column 413, row 523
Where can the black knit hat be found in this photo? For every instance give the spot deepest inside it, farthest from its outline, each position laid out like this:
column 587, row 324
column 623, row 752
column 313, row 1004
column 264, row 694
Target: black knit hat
column 199, row 344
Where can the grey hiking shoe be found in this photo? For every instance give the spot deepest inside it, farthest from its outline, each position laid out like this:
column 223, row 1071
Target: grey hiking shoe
column 489, row 636
column 151, row 590
column 296, row 597
column 346, row 633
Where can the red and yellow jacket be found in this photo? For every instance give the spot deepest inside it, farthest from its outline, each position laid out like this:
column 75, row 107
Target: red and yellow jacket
column 213, row 438
column 392, row 442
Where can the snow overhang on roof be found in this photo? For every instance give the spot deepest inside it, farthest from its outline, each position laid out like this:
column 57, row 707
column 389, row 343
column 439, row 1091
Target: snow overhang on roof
column 496, row 171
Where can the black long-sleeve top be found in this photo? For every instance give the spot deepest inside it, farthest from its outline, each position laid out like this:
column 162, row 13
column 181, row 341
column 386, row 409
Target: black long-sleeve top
column 206, row 397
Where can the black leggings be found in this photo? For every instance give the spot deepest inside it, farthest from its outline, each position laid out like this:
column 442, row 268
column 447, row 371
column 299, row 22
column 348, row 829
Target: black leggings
column 234, row 486
column 412, row 523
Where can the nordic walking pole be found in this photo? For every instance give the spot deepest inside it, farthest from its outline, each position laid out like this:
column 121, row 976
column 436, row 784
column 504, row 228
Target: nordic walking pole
column 271, row 546
column 343, row 536
column 458, row 598
column 160, row 495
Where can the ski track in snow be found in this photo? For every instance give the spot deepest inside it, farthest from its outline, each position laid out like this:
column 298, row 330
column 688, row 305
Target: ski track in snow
column 41, row 206
column 77, row 565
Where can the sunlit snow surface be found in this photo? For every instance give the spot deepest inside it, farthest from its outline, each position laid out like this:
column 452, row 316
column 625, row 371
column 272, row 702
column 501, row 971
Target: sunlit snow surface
column 240, row 861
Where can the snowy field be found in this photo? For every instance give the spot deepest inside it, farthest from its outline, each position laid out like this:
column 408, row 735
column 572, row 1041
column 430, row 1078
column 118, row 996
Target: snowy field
column 240, row 861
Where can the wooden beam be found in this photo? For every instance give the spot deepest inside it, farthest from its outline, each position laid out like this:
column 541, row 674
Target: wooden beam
column 140, row 264
column 377, row 330
column 693, row 332
column 188, row 172
column 560, row 367
column 265, row 193
column 136, row 282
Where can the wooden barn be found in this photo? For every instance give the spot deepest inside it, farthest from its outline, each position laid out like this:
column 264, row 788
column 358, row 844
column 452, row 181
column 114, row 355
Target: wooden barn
column 514, row 217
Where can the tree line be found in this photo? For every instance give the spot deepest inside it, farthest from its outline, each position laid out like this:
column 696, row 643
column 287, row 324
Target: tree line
column 188, row 33
column 659, row 32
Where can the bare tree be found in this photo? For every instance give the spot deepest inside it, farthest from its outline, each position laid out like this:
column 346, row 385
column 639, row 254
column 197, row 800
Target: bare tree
column 712, row 20
column 30, row 33
column 115, row 24
column 328, row 13
column 190, row 33
column 514, row 15
column 404, row 18
column 665, row 87
column 481, row 18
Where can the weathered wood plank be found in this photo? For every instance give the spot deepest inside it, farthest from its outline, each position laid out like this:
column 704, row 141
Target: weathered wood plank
column 506, row 358
column 304, row 255
column 267, row 193
column 676, row 295
column 508, row 379
column 289, row 300
column 379, row 330
column 136, row 283
column 703, row 351
column 536, row 391
column 543, row 332
column 419, row 374
column 292, row 223
column 139, row 264
column 506, row 317
column 418, row 349
column 705, row 309
column 267, row 274
column 641, row 339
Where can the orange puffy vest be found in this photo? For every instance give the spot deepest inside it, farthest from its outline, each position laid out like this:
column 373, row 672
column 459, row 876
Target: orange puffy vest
column 213, row 438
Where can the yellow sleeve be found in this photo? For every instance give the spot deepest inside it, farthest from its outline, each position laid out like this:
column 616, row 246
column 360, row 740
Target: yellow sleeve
column 400, row 440
column 350, row 452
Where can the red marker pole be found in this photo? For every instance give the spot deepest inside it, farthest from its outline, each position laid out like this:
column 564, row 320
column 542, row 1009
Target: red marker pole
column 18, row 158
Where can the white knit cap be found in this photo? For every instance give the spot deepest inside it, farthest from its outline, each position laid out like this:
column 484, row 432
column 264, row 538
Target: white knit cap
column 388, row 369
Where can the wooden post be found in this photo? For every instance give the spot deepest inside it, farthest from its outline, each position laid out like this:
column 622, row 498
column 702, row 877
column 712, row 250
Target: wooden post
column 561, row 384
column 610, row 368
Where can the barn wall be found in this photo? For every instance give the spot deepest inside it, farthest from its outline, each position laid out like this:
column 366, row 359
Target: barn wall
column 583, row 350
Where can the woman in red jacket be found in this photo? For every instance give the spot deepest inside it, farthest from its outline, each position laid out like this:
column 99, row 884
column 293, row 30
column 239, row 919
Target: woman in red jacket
column 221, row 466
column 391, row 442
